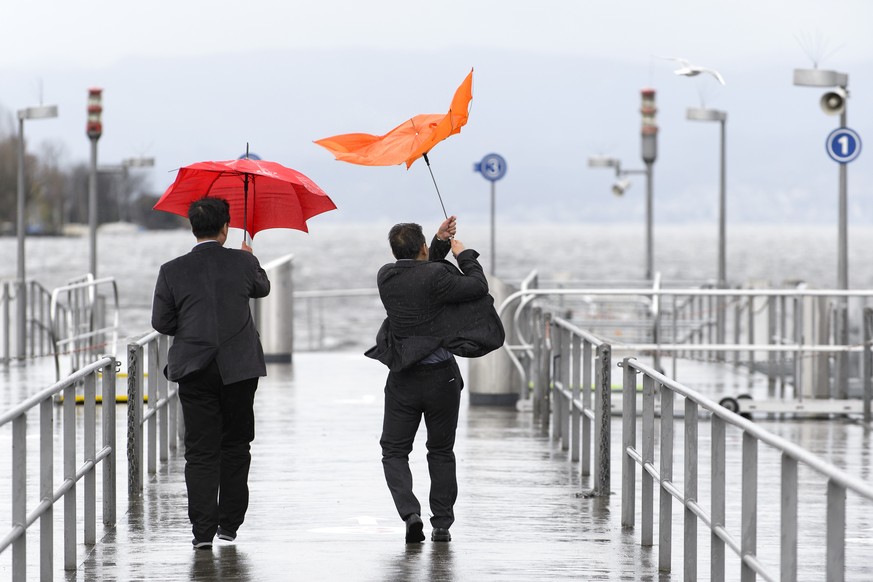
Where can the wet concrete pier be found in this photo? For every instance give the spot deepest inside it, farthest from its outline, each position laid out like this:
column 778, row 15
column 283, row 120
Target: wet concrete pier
column 320, row 509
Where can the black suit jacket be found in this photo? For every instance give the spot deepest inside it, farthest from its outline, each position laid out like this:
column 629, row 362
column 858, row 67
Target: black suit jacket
column 202, row 298
column 432, row 304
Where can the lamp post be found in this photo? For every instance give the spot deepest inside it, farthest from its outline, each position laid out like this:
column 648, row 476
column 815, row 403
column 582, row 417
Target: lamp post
column 620, row 187
column 94, row 129
column 833, row 102
column 702, row 114
column 39, row 112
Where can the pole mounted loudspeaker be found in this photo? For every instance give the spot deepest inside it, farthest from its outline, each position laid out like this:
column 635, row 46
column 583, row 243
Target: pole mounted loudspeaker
column 834, row 101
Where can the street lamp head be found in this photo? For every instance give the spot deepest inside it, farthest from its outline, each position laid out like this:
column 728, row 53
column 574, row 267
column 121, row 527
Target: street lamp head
column 702, row 114
column 40, row 112
column 603, row 162
column 820, row 78
column 138, row 162
column 94, row 126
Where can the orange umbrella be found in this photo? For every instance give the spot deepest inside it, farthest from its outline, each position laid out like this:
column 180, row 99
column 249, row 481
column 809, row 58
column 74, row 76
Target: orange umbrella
column 407, row 142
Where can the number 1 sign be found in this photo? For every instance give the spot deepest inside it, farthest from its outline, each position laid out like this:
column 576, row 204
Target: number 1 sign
column 843, row 145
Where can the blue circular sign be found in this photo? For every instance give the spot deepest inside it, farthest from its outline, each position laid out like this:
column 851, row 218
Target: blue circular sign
column 492, row 167
column 843, row 145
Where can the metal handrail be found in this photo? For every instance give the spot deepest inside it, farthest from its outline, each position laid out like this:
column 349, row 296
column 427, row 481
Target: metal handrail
column 90, row 285
column 162, row 417
column 50, row 492
column 838, row 481
column 582, row 361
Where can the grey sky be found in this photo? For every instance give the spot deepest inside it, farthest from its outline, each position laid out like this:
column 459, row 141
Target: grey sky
column 555, row 81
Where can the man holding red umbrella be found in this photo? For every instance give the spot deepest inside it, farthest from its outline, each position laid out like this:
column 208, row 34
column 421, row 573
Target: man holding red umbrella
column 202, row 299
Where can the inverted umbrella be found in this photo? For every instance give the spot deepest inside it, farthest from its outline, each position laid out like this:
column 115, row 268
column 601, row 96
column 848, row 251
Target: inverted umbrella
column 407, row 142
column 261, row 194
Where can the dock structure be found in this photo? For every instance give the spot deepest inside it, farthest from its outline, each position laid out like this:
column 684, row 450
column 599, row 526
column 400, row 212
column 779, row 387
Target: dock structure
column 320, row 509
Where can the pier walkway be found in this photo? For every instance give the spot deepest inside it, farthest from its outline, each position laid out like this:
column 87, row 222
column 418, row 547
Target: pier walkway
column 320, row 509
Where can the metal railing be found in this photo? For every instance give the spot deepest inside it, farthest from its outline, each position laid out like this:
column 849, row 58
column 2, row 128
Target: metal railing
column 745, row 545
column 77, row 314
column 575, row 363
column 160, row 413
column 49, row 491
column 39, row 336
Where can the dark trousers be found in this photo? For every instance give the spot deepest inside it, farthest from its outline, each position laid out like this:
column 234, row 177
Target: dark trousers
column 219, row 426
column 432, row 390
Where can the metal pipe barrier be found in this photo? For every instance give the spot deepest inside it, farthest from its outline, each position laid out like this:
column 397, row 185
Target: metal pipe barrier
column 793, row 327
column 580, row 363
column 78, row 328
column 146, row 358
column 49, row 491
column 660, row 472
column 38, row 325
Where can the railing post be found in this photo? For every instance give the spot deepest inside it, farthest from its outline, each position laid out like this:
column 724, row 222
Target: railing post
column 648, row 457
column 19, row 496
column 567, row 394
column 558, row 382
column 110, row 490
column 602, row 418
column 867, row 362
column 628, row 441
column 70, row 476
column 134, row 419
column 717, row 498
column 90, row 452
column 788, row 561
column 836, row 532
column 586, row 382
column 152, row 390
column 46, row 487
column 665, row 512
column 771, row 339
column 576, row 356
column 162, row 391
column 749, row 510
column 691, row 430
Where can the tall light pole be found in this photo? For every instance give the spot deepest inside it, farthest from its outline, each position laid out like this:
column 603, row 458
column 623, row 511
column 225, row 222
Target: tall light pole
column 94, row 129
column 833, row 102
column 649, row 135
column 702, row 114
column 39, row 112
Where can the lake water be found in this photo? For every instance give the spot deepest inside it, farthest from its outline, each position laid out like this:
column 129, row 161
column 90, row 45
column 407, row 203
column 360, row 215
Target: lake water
column 342, row 256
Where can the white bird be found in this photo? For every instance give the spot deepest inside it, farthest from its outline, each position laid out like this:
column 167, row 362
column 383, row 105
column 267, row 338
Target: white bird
column 689, row 70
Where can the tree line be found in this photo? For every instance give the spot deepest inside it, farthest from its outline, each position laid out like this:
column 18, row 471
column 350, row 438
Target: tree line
column 57, row 193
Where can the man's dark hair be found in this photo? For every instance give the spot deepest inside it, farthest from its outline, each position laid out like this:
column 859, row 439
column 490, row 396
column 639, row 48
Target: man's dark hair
column 406, row 239
column 208, row 216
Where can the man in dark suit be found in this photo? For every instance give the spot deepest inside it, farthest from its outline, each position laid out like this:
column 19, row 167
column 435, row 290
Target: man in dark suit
column 418, row 292
column 202, row 299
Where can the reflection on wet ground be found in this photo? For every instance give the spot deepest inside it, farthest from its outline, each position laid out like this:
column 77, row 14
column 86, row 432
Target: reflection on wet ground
column 320, row 509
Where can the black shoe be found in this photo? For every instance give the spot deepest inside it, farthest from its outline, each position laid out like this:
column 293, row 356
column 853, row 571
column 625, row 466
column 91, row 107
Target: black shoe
column 226, row 535
column 414, row 529
column 201, row 544
column 440, row 534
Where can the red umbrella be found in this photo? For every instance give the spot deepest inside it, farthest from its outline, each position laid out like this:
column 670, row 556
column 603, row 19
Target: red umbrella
column 261, row 194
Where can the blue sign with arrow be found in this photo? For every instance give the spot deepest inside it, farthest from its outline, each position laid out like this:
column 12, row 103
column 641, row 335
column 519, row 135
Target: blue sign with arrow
column 492, row 167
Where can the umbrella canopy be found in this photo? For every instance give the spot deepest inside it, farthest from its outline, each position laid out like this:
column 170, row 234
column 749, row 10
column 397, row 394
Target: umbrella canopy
column 261, row 194
column 408, row 141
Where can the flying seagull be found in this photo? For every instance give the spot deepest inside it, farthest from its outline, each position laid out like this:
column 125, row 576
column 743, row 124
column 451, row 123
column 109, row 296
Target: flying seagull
column 689, row 70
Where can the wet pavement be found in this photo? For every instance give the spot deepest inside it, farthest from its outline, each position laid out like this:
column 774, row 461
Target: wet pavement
column 320, row 509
